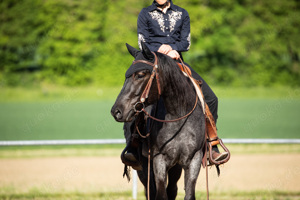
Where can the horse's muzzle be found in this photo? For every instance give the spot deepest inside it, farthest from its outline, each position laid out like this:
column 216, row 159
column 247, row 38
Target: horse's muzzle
column 122, row 116
column 117, row 114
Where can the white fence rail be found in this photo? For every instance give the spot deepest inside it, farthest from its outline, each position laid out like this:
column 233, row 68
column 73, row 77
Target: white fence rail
column 122, row 141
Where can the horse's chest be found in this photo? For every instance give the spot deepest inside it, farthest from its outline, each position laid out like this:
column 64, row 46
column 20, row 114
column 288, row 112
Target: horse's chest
column 175, row 148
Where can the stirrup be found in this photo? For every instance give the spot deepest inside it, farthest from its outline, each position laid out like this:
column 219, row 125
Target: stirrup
column 211, row 160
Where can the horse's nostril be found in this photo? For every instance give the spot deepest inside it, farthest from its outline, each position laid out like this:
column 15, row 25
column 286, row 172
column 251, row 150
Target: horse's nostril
column 117, row 114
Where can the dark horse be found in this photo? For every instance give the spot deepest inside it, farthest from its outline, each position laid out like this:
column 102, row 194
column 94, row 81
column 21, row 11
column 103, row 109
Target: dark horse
column 175, row 145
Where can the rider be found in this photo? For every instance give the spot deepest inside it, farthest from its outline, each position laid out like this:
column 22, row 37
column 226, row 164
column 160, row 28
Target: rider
column 165, row 28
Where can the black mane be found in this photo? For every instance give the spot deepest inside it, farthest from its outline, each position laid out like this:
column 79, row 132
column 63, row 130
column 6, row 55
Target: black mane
column 172, row 77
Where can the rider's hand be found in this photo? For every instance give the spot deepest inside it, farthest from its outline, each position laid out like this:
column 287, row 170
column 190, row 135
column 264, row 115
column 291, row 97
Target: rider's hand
column 165, row 49
column 174, row 54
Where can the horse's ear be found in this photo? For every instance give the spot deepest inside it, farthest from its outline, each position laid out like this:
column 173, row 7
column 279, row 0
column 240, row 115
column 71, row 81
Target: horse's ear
column 147, row 52
column 133, row 51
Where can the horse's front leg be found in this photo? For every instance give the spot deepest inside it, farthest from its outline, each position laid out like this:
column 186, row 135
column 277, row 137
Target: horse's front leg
column 173, row 176
column 191, row 173
column 160, row 173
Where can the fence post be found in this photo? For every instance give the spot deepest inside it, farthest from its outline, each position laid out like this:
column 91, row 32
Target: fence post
column 134, row 184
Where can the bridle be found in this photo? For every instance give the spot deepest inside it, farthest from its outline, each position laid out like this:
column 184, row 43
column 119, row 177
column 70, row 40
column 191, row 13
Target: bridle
column 154, row 74
column 145, row 94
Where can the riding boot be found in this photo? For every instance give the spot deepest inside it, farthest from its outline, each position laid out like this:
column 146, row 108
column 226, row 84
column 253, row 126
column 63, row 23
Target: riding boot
column 131, row 154
column 130, row 157
column 216, row 155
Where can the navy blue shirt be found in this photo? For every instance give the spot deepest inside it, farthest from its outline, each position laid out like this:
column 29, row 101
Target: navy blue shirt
column 156, row 28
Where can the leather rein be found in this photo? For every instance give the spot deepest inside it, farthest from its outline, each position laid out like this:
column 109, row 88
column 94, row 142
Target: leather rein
column 145, row 94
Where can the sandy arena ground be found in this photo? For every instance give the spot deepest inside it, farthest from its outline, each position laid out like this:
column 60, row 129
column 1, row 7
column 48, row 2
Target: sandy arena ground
column 248, row 172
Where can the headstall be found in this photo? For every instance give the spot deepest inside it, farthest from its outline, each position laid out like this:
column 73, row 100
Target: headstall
column 145, row 94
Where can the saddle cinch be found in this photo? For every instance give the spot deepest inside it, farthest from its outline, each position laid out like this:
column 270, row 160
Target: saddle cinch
column 211, row 130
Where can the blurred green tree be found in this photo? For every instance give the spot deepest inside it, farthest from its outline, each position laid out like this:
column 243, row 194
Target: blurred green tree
column 234, row 42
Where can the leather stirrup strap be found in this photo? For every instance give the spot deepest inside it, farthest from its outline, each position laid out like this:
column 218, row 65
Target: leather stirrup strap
column 211, row 127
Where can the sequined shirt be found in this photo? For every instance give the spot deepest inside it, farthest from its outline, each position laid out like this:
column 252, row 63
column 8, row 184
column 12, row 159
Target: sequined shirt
column 156, row 28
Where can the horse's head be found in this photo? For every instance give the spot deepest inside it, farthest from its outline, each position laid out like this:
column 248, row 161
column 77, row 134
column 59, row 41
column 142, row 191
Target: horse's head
column 137, row 77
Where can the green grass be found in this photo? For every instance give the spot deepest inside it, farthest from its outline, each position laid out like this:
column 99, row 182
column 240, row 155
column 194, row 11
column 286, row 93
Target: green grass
column 58, row 120
column 84, row 113
column 259, row 118
column 231, row 195
column 86, row 119
column 52, row 92
column 116, row 149
column 61, row 151
column 70, row 196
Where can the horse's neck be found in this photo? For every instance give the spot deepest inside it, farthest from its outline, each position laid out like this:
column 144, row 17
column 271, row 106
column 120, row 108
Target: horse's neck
column 178, row 101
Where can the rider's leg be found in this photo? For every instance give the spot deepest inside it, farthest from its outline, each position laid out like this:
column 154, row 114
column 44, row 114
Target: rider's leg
column 131, row 154
column 212, row 101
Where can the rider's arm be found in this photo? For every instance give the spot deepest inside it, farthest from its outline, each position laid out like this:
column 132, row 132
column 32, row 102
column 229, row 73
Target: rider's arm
column 143, row 32
column 185, row 36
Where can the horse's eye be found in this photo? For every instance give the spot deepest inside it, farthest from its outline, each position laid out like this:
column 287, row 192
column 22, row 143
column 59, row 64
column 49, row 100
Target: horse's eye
column 140, row 75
